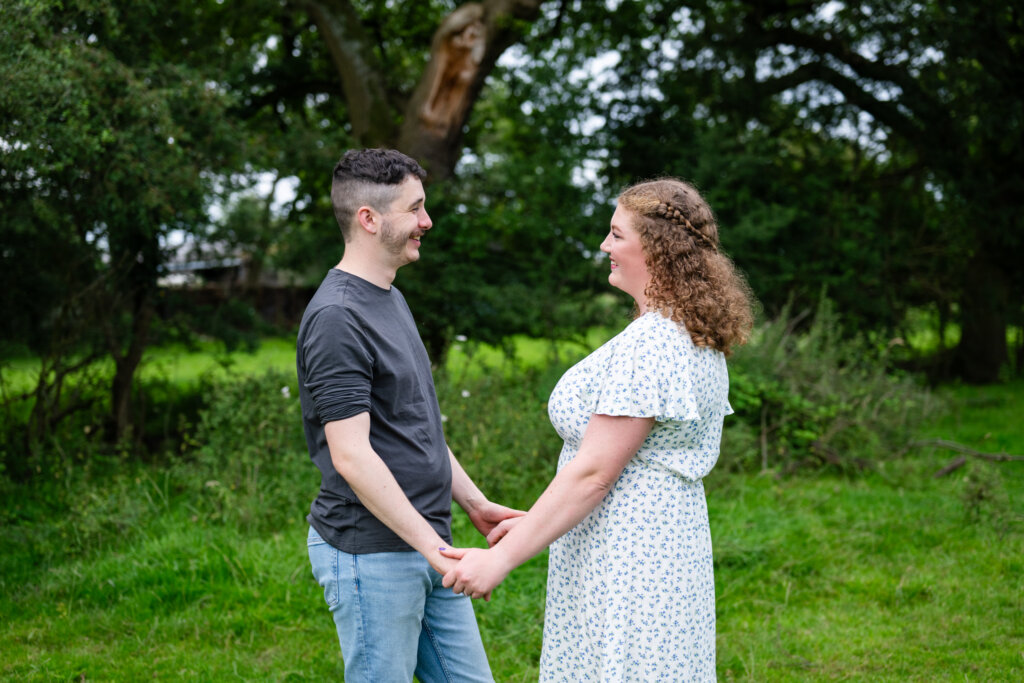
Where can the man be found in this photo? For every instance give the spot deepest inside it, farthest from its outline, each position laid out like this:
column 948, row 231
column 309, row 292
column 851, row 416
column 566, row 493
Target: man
column 373, row 428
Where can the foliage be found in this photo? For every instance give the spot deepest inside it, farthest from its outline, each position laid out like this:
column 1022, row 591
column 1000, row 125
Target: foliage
column 107, row 150
column 240, row 465
column 844, row 146
column 816, row 398
column 514, row 449
column 868, row 148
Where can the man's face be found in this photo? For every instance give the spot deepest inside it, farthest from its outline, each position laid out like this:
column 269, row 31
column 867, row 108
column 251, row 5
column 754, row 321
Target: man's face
column 405, row 223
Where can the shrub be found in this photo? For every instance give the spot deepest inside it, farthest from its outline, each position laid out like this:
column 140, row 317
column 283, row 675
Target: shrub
column 497, row 425
column 816, row 398
column 249, row 465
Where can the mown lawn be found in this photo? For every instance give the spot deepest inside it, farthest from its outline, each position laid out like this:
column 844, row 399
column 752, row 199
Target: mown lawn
column 891, row 575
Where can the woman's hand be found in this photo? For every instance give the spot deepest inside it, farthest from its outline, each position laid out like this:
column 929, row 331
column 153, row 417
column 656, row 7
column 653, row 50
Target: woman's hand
column 478, row 572
column 499, row 531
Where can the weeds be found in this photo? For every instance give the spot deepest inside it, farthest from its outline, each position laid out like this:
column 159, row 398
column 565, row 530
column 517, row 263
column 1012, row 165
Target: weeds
column 816, row 398
column 240, row 465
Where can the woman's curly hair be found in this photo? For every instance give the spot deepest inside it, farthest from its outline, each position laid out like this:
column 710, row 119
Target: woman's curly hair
column 692, row 281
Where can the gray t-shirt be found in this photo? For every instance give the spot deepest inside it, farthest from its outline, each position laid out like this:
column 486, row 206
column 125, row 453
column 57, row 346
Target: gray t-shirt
column 359, row 351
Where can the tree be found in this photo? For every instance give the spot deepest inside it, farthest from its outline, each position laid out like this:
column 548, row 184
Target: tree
column 911, row 110
column 104, row 156
column 504, row 257
column 943, row 79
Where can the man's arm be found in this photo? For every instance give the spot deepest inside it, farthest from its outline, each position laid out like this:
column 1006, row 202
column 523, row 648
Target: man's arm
column 484, row 514
column 371, row 480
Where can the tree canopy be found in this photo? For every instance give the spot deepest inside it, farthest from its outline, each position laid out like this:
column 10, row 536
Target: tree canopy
column 868, row 150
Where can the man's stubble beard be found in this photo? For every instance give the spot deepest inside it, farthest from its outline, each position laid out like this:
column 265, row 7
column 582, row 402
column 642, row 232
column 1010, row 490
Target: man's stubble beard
column 394, row 244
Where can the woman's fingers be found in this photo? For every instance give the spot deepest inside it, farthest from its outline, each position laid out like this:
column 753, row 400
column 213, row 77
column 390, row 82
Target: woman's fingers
column 453, row 553
column 499, row 531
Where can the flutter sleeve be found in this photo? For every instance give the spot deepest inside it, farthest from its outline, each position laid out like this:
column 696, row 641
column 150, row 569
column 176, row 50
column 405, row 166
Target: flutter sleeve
column 646, row 372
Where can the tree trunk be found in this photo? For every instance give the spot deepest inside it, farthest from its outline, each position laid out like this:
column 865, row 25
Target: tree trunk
column 125, row 366
column 465, row 48
column 982, row 351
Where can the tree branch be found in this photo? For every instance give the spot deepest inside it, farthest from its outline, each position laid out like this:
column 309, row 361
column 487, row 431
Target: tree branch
column 886, row 113
column 966, row 450
column 465, row 49
column 861, row 65
column 352, row 52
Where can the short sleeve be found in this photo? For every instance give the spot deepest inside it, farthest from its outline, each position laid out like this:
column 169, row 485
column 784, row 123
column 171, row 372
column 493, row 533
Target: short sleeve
column 338, row 363
column 646, row 373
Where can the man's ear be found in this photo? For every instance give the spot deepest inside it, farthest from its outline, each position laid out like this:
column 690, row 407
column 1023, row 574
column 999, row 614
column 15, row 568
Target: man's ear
column 367, row 219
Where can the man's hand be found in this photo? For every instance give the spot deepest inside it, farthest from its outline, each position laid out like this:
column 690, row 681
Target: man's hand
column 488, row 515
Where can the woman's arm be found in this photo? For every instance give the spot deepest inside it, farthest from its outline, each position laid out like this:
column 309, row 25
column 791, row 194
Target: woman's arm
column 608, row 444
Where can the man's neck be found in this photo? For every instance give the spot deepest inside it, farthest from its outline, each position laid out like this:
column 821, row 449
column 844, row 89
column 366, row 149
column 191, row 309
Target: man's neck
column 367, row 269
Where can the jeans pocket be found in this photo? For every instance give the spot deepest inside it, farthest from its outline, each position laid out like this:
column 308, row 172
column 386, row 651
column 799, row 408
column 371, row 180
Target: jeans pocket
column 323, row 558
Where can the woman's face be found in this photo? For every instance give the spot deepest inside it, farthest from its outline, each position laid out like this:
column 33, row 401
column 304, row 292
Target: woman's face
column 628, row 263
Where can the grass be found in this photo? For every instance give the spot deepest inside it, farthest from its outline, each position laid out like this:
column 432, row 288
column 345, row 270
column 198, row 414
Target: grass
column 858, row 580
column 897, row 575
column 179, row 364
column 892, row 575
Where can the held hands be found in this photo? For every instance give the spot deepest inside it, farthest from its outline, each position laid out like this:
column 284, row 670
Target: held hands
column 441, row 563
column 473, row 571
column 489, row 516
column 478, row 572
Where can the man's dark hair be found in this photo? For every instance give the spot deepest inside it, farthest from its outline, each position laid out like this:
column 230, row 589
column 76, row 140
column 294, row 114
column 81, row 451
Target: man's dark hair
column 369, row 177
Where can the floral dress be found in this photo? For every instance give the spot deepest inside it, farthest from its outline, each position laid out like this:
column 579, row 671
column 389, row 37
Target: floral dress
column 631, row 593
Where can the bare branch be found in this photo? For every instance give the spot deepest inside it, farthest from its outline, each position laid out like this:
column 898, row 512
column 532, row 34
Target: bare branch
column 952, row 466
column 966, row 450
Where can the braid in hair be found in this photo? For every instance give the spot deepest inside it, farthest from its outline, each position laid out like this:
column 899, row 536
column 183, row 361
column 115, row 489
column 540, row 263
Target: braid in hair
column 669, row 212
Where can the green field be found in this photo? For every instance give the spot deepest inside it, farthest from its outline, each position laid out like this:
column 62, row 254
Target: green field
column 889, row 575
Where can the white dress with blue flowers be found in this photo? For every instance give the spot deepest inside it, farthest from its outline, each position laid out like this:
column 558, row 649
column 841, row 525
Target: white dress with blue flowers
column 631, row 593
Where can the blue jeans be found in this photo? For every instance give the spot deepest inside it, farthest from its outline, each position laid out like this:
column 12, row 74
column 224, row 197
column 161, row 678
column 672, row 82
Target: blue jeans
column 395, row 619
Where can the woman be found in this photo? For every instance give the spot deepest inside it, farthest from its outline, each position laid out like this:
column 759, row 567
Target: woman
column 630, row 592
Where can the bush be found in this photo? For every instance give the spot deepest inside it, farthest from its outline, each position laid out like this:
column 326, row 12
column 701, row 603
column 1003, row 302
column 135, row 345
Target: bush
column 497, row 425
column 816, row 398
column 249, row 465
